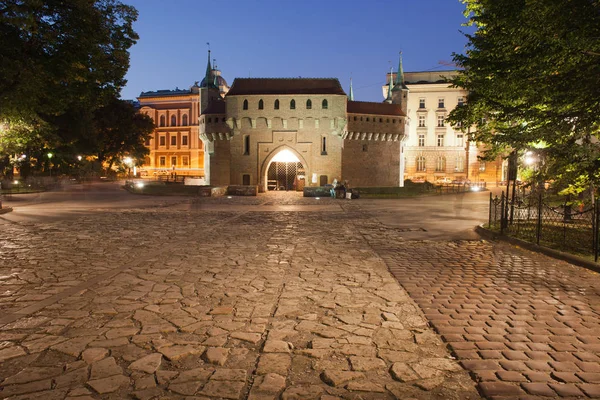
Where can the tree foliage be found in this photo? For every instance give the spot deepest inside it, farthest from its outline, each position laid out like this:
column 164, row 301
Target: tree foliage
column 532, row 70
column 60, row 61
column 119, row 130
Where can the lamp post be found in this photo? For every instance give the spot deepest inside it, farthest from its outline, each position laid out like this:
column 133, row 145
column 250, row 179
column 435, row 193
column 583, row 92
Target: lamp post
column 129, row 162
column 50, row 163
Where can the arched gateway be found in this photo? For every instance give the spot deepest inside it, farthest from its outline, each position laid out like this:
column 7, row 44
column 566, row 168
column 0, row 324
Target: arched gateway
column 284, row 169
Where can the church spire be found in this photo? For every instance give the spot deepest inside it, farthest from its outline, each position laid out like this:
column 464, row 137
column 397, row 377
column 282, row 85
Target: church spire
column 351, row 94
column 389, row 93
column 207, row 79
column 400, row 74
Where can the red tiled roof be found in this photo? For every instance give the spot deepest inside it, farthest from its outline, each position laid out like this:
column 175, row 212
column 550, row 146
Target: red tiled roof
column 365, row 107
column 249, row 86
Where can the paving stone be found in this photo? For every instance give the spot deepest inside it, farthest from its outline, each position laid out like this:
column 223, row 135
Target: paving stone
column 499, row 389
column 274, row 363
column 366, row 363
column 177, row 352
column 338, row 378
column 216, row 355
column 429, row 384
column 365, row 386
column 277, row 346
column 253, row 338
column 92, row 355
column 148, row 364
column 30, row 374
column 110, row 384
column 29, row 387
column 538, row 389
column 591, row 390
column 105, row 368
column 566, row 390
column 230, row 375
column 230, row 390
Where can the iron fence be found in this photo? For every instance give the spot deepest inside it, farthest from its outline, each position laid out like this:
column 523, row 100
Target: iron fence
column 545, row 219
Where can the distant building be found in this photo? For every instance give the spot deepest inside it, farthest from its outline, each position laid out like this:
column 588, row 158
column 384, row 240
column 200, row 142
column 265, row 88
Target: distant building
column 434, row 149
column 277, row 133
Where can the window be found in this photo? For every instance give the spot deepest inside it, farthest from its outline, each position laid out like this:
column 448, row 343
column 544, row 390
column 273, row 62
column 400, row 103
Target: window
column 440, row 164
column 261, row 104
column 440, row 140
column 421, row 140
column 421, row 121
column 184, row 121
column 162, row 120
column 173, row 140
column 184, row 140
column 293, row 104
column 421, row 164
column 422, row 103
column 246, row 179
column 209, row 120
column 461, row 101
column 162, row 161
column 441, row 120
column 367, row 119
column 324, row 104
column 323, row 146
column 173, row 161
column 355, row 118
column 482, row 166
column 460, row 164
column 162, row 141
column 440, row 103
column 276, row 106
column 365, row 147
column 460, row 140
column 308, row 104
column 185, row 161
column 246, row 145
column 245, row 105
column 173, row 120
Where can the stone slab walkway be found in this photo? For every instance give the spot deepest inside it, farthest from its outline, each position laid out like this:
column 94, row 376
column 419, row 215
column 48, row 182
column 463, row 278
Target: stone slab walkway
column 195, row 304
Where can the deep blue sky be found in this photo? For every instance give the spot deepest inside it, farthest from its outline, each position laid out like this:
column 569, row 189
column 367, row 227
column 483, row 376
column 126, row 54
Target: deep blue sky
column 291, row 38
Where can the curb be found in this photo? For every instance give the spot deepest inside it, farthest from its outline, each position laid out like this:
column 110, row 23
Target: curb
column 5, row 210
column 570, row 258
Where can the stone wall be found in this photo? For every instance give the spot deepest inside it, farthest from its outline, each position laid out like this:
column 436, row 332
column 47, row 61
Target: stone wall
column 371, row 163
column 242, row 190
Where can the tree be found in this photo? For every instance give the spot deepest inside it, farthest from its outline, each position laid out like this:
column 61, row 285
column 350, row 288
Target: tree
column 119, row 130
column 59, row 58
column 532, row 70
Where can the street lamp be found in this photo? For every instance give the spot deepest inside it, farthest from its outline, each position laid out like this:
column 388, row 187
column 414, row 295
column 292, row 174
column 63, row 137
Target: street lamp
column 50, row 162
column 128, row 161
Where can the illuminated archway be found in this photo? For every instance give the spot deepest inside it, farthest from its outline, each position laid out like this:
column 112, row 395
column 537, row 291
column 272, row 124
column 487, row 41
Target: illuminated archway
column 284, row 169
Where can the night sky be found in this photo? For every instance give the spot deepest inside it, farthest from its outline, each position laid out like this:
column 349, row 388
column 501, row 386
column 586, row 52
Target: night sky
column 283, row 38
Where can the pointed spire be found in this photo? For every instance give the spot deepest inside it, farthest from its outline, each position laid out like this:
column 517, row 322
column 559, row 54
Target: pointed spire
column 389, row 93
column 400, row 74
column 351, row 95
column 207, row 79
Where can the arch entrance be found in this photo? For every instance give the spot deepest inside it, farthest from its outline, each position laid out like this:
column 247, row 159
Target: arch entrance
column 285, row 171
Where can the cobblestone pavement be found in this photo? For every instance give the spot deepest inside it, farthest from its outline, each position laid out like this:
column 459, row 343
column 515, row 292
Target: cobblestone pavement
column 523, row 324
column 229, row 298
column 196, row 303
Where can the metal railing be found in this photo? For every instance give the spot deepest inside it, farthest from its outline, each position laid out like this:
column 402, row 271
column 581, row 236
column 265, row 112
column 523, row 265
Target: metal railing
column 544, row 219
